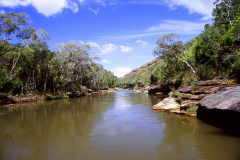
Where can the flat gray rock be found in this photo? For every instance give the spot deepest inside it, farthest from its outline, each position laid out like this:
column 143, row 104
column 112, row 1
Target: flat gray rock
column 227, row 99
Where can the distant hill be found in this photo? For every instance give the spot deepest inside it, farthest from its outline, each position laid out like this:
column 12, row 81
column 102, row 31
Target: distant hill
column 140, row 75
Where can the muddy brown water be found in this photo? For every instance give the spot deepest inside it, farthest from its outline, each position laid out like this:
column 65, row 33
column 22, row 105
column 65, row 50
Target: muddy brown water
column 114, row 126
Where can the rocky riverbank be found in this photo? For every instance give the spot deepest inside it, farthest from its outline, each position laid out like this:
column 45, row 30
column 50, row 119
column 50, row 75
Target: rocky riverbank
column 214, row 102
column 222, row 109
column 5, row 99
column 186, row 100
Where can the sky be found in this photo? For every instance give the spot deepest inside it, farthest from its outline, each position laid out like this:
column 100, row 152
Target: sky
column 122, row 33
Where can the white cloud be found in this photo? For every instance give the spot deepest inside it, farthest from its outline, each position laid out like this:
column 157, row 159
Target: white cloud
column 203, row 7
column 164, row 27
column 125, row 49
column 81, row 1
column 121, row 71
column 2, row 11
column 48, row 8
column 72, row 6
column 92, row 44
column 105, row 61
column 178, row 26
column 81, row 42
column 51, row 7
column 109, row 47
column 14, row 3
column 141, row 42
column 45, row 7
column 105, row 48
column 95, row 11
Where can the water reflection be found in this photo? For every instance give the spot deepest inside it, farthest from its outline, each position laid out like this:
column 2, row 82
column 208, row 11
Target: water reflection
column 50, row 128
column 114, row 126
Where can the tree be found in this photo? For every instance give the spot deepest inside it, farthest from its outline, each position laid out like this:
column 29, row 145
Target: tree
column 15, row 25
column 169, row 47
column 218, row 45
column 74, row 62
column 225, row 13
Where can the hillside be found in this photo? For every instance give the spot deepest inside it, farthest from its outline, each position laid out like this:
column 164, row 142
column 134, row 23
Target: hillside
column 140, row 75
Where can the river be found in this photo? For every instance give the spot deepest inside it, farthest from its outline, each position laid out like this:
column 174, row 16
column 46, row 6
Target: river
column 113, row 126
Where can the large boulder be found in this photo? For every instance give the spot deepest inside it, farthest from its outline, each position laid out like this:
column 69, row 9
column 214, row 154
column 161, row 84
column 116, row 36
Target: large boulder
column 222, row 109
column 227, row 99
column 201, row 89
column 187, row 89
column 167, row 104
column 159, row 88
column 216, row 82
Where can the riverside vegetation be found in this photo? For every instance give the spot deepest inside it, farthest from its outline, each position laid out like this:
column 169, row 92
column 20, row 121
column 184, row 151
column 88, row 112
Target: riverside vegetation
column 28, row 66
column 198, row 70
column 214, row 54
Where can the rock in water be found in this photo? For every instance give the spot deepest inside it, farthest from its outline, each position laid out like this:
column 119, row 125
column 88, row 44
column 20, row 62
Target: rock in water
column 159, row 88
column 228, row 99
column 222, row 109
column 167, row 104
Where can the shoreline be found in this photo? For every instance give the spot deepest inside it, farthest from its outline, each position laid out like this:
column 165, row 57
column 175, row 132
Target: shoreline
column 9, row 101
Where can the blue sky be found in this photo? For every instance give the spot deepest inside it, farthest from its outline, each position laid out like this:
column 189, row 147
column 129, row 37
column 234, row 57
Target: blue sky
column 122, row 32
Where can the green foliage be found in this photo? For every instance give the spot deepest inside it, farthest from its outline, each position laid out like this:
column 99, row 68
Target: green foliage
column 177, row 57
column 192, row 109
column 30, row 65
column 15, row 25
column 12, row 84
column 213, row 54
column 218, row 46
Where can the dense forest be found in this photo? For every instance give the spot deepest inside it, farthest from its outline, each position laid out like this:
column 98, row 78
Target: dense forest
column 214, row 54
column 28, row 64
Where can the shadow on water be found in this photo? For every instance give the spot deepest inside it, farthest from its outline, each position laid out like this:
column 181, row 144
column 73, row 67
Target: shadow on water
column 114, row 126
column 190, row 138
column 42, row 130
column 224, row 119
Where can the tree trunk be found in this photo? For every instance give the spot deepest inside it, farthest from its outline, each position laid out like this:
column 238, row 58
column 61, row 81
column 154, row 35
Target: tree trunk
column 45, row 83
column 187, row 65
column 15, row 61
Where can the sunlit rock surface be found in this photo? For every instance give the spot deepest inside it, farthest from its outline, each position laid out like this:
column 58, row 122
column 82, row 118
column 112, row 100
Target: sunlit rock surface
column 167, row 104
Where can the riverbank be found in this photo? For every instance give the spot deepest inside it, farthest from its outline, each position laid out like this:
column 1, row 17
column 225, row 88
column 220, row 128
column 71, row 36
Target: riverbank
column 214, row 102
column 6, row 100
column 186, row 99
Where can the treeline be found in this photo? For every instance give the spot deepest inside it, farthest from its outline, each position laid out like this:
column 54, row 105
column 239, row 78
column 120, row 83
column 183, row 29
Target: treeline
column 214, row 54
column 140, row 76
column 27, row 63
